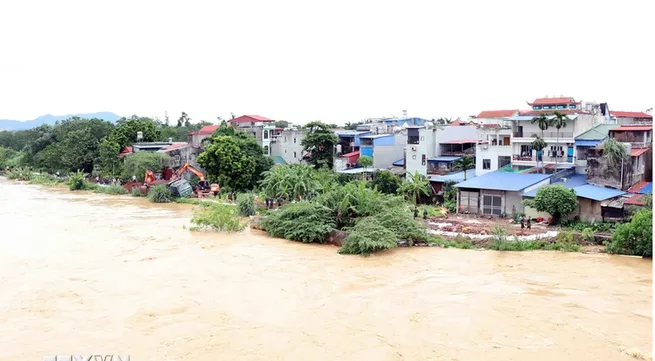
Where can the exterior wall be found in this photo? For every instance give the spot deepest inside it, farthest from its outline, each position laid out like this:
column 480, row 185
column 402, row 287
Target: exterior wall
column 366, row 151
column 490, row 151
column 387, row 150
column 196, row 139
column 267, row 137
column 600, row 174
column 284, row 145
column 429, row 140
column 588, row 211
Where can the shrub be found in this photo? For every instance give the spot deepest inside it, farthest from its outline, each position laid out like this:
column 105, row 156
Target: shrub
column 368, row 236
column 20, row 174
column 498, row 239
column 115, row 189
column 402, row 223
column 45, row 180
column 302, row 221
column 588, row 235
column 160, row 194
column 564, row 237
column 598, row 227
column 634, row 238
column 218, row 217
column 246, row 205
column 77, row 181
column 136, row 192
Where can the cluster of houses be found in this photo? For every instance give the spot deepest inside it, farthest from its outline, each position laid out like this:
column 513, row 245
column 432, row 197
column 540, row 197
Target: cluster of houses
column 506, row 167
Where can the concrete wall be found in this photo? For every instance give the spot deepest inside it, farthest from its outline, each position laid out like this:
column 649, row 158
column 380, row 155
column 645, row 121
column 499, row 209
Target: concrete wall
column 588, row 211
column 387, row 150
column 429, row 145
column 288, row 142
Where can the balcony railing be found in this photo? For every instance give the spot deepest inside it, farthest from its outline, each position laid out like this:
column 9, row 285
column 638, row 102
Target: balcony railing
column 544, row 158
column 562, row 135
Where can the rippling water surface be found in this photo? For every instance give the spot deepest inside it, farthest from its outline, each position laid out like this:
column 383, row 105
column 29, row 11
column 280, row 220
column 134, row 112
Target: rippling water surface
column 86, row 273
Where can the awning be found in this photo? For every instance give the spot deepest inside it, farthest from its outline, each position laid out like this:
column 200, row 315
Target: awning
column 586, row 143
column 399, row 163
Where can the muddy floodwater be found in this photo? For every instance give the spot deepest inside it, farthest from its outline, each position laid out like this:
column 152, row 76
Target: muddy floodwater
column 86, row 273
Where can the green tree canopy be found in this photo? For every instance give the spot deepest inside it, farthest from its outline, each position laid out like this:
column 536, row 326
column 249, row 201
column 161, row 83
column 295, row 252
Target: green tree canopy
column 386, row 182
column 634, row 238
column 414, row 187
column 555, row 199
column 234, row 159
column 320, row 143
column 137, row 163
column 125, row 132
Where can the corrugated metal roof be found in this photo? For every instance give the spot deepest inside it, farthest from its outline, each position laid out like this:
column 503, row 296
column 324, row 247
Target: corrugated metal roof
column 596, row 193
column 573, row 181
column 635, row 200
column 358, row 170
column 648, row 189
column 630, row 128
column 453, row 177
column 599, row 132
column 375, row 136
column 503, row 181
column 444, row 159
column 399, row 163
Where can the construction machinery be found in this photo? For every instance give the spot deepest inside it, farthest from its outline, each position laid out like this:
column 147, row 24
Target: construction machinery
column 203, row 188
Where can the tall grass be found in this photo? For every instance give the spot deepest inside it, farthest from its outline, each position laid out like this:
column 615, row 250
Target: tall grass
column 113, row 189
column 160, row 194
column 20, row 174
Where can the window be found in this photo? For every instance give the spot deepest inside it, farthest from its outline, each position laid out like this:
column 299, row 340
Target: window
column 285, row 151
column 266, row 134
column 294, row 140
column 423, row 159
column 503, row 161
column 413, row 139
column 486, row 164
column 295, row 155
column 571, row 106
column 537, row 107
column 266, row 149
column 561, row 107
column 492, row 205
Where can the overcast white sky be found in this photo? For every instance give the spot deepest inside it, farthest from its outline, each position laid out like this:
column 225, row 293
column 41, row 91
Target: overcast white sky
column 334, row 61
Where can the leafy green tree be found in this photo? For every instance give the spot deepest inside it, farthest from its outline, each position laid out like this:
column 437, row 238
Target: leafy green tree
column 137, row 163
column 365, row 161
column 634, row 238
column 307, row 222
column 5, row 155
column 614, row 152
column 414, row 187
column 126, row 131
column 109, row 160
column 281, row 124
column 368, row 236
column 464, row 164
column 320, row 143
column 184, row 120
column 386, row 182
column 234, row 159
column 555, row 199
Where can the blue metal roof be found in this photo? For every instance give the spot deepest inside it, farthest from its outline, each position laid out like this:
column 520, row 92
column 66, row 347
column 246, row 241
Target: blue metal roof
column 453, row 177
column 376, row 136
column 444, row 159
column 586, row 143
column 647, row 189
column 503, row 181
column 399, row 162
column 573, row 181
column 597, row 193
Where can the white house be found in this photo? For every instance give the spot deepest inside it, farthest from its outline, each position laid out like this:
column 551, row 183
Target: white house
column 426, row 144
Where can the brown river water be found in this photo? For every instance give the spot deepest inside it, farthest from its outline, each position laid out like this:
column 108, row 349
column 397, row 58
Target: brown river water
column 86, row 273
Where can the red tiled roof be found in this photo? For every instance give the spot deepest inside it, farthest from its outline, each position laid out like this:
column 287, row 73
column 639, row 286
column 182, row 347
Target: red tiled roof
column 456, row 122
column 548, row 111
column 460, row 141
column 628, row 128
column 636, row 200
column 207, row 129
column 125, row 151
column 250, row 119
column 553, row 101
column 635, row 152
column 637, row 187
column 497, row 113
column 620, row 114
column 175, row 146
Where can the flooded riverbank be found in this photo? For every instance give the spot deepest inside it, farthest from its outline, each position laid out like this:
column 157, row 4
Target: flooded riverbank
column 82, row 273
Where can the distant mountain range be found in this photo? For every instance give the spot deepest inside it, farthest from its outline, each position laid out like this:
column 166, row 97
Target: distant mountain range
column 49, row 119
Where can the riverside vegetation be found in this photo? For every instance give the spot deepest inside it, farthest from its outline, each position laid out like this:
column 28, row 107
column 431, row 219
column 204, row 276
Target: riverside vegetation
column 374, row 214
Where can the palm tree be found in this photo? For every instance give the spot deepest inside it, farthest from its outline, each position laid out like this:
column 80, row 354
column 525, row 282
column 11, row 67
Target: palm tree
column 464, row 164
column 415, row 186
column 542, row 123
column 614, row 152
column 559, row 122
column 538, row 144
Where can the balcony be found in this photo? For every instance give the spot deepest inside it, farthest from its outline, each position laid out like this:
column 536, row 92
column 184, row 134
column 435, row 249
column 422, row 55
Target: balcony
column 529, row 135
column 546, row 159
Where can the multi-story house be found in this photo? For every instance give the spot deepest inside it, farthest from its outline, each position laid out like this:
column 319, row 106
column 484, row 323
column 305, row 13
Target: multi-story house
column 560, row 146
column 640, row 138
column 631, row 117
column 286, row 147
column 587, row 142
column 494, row 148
column 253, row 124
column 433, row 149
column 384, row 149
